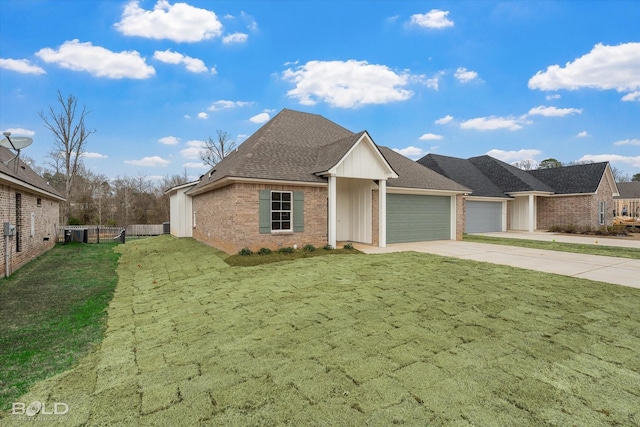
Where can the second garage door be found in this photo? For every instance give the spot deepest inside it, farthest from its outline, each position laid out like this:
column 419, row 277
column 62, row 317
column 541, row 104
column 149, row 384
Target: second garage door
column 483, row 217
column 415, row 218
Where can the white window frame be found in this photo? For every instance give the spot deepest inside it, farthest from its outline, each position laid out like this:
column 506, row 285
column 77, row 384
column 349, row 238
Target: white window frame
column 279, row 212
column 601, row 212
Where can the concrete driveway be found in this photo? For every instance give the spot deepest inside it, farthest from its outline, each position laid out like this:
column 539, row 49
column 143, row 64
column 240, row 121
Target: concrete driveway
column 619, row 271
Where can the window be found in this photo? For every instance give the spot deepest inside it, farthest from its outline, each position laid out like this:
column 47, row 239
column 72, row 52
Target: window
column 601, row 211
column 39, row 202
column 281, row 206
column 18, row 221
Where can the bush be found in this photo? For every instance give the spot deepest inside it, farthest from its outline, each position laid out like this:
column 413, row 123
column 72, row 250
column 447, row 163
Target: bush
column 264, row 251
column 309, row 248
column 286, row 250
column 348, row 246
column 245, row 252
column 73, row 221
column 327, row 247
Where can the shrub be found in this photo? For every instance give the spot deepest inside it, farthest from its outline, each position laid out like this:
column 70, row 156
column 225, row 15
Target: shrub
column 286, row 250
column 348, row 246
column 309, row 248
column 73, row 221
column 327, row 247
column 264, row 251
column 245, row 251
column 571, row 229
column 555, row 229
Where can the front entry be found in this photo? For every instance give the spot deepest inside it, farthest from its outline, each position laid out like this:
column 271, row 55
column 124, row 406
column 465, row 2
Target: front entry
column 354, row 210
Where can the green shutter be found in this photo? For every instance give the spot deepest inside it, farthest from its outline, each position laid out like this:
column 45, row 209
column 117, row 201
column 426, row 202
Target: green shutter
column 265, row 211
column 298, row 211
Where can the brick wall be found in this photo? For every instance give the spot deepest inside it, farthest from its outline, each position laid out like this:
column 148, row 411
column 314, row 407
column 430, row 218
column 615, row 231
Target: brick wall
column 461, row 209
column 45, row 224
column 228, row 218
column 576, row 211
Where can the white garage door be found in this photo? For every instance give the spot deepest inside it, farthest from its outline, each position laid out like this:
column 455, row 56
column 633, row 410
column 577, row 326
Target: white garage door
column 414, row 218
column 483, row 217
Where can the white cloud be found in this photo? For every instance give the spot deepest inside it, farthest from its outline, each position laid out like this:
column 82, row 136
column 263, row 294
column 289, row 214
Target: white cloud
column 260, row 118
column 21, row 66
column 346, row 84
column 583, row 134
column 98, row 61
column 604, row 68
column 149, row 161
column 628, row 142
column 89, row 155
column 169, row 140
column 202, row 115
column 633, row 96
column 464, row 75
column 514, row 156
column 613, row 158
column 20, row 132
column 187, row 116
column 194, row 65
column 235, row 38
column 493, row 123
column 430, row 137
column 194, row 147
column 553, row 111
column 433, row 19
column 196, row 165
column 411, row 152
column 249, row 21
column 224, row 104
column 552, row 97
column 444, row 120
column 179, row 22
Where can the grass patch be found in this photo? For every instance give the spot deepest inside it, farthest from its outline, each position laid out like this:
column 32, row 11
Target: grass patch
column 614, row 251
column 52, row 312
column 285, row 254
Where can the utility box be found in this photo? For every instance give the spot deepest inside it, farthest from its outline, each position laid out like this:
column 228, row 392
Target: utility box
column 166, row 227
column 9, row 229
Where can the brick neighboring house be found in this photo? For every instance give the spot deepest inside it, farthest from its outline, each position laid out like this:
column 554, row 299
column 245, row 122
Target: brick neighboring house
column 507, row 198
column 302, row 179
column 32, row 206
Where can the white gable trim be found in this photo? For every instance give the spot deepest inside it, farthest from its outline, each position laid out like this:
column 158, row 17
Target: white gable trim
column 364, row 150
column 612, row 181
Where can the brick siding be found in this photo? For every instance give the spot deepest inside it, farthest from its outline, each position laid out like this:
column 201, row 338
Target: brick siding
column 45, row 226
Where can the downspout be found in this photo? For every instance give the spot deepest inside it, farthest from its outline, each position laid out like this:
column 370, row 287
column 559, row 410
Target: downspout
column 6, row 256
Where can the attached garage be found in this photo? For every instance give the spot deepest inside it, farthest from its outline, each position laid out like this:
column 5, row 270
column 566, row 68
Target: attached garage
column 483, row 216
column 417, row 218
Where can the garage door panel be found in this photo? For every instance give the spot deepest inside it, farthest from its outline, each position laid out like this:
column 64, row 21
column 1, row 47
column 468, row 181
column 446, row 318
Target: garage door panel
column 483, row 217
column 416, row 218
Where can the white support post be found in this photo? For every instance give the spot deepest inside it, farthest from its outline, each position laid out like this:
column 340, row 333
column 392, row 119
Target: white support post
column 382, row 213
column 532, row 214
column 333, row 212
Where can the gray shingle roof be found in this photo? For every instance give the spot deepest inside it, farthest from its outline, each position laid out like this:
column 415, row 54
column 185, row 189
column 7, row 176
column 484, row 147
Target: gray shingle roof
column 464, row 172
column 577, row 179
column 508, row 178
column 294, row 146
column 628, row 190
column 24, row 173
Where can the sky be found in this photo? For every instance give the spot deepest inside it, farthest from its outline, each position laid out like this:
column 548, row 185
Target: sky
column 518, row 80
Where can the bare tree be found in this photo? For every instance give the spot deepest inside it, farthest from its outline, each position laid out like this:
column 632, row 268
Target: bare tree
column 526, row 165
column 619, row 175
column 216, row 150
column 71, row 135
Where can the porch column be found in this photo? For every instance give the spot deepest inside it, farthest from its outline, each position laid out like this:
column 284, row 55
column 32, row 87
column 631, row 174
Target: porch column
column 532, row 214
column 382, row 213
column 333, row 212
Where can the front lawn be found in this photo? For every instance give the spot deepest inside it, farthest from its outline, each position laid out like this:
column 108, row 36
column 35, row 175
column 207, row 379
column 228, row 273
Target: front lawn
column 390, row 339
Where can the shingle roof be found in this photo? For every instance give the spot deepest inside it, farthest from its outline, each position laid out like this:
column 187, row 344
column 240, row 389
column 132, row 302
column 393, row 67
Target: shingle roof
column 628, row 190
column 294, row 146
column 575, row 179
column 24, row 173
column 464, row 172
column 508, row 178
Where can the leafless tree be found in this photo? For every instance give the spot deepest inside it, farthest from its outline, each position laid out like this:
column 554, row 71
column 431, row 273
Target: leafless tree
column 71, row 133
column 216, row 150
column 526, row 165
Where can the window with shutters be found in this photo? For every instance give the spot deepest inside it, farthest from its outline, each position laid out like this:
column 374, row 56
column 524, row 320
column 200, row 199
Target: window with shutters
column 281, row 211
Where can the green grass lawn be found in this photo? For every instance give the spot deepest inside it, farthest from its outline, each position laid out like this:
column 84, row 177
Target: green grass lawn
column 52, row 312
column 590, row 249
column 390, row 339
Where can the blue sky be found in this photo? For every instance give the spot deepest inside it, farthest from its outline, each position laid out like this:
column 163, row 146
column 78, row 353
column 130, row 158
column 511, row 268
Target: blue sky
column 518, row 80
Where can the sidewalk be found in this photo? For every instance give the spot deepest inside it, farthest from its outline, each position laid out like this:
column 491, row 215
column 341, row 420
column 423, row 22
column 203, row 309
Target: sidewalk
column 567, row 238
column 618, row 271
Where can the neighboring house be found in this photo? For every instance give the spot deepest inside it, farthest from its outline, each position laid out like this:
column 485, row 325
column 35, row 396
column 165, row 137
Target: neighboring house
column 302, row 179
column 507, row 198
column 628, row 202
column 31, row 207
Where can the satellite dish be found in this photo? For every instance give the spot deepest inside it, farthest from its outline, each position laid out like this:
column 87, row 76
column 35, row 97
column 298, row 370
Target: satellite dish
column 17, row 143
